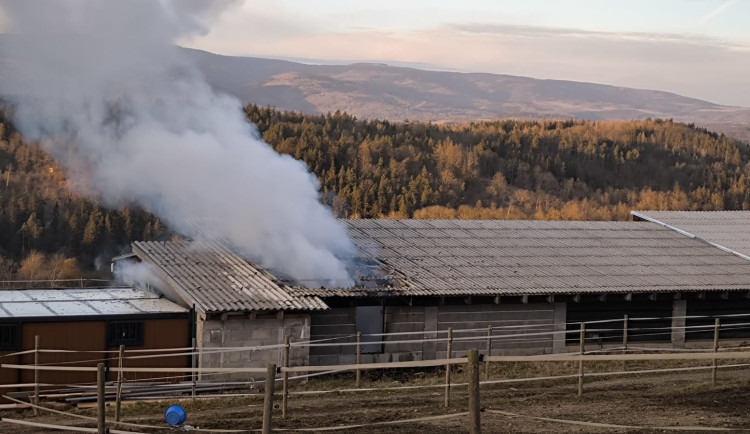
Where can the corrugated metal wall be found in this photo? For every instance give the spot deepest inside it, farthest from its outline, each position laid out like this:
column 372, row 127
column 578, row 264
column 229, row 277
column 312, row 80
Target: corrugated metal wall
column 91, row 336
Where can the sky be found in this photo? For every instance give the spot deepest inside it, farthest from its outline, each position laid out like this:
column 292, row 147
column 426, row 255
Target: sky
column 696, row 48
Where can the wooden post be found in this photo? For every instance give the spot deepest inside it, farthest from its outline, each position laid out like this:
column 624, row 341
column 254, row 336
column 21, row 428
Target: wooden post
column 448, row 353
column 268, row 400
column 359, row 359
column 118, row 395
column 285, row 384
column 100, row 404
column 716, row 350
column 194, row 364
column 624, row 338
column 489, row 353
column 580, row 362
column 36, row 374
column 475, row 425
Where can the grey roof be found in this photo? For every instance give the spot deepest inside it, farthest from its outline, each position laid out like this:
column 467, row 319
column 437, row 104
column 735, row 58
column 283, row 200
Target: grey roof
column 729, row 230
column 491, row 257
column 34, row 303
column 215, row 279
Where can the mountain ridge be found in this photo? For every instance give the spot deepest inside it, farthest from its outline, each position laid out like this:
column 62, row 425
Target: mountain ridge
column 381, row 91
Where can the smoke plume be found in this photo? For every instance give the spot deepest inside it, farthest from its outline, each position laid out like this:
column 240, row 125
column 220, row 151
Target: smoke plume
column 102, row 85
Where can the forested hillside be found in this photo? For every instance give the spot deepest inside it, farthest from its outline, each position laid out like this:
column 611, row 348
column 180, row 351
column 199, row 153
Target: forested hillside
column 373, row 169
column 511, row 169
column 46, row 230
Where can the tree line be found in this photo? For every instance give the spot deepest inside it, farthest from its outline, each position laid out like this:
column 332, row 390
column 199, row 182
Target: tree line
column 509, row 169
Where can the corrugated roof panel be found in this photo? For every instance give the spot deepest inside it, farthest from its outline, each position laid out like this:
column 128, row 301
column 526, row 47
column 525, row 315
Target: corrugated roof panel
column 83, row 302
column 218, row 280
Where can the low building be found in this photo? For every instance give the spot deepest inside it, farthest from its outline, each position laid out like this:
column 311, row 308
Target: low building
column 421, row 277
column 81, row 325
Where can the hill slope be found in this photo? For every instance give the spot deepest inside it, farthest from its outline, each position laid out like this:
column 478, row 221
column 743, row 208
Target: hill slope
column 397, row 93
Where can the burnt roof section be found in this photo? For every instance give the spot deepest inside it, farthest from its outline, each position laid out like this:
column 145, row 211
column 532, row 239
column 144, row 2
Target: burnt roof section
column 99, row 302
column 217, row 280
column 728, row 230
column 499, row 257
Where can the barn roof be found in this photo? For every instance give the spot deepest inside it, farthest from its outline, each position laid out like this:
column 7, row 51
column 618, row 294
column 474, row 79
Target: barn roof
column 496, row 257
column 36, row 303
column 729, row 230
column 215, row 279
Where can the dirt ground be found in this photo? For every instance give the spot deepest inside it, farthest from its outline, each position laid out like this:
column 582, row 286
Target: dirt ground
column 646, row 403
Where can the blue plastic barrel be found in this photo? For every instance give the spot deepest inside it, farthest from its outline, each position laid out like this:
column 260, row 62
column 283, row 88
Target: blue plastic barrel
column 175, row 415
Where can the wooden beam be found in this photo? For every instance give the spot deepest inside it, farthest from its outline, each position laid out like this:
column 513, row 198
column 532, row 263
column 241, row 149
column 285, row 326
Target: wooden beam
column 441, row 301
column 280, row 314
column 629, row 296
column 701, row 296
column 525, row 299
column 467, row 300
column 224, row 316
column 497, row 298
column 725, row 295
column 652, row 296
column 603, row 297
column 410, row 301
column 677, row 296
column 252, row 315
column 550, row 299
column 577, row 298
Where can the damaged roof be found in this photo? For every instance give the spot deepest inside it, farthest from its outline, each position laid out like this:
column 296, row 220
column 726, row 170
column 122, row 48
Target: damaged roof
column 499, row 257
column 216, row 280
column 34, row 303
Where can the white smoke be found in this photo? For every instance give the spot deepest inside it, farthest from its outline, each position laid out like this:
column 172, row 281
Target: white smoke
column 102, row 84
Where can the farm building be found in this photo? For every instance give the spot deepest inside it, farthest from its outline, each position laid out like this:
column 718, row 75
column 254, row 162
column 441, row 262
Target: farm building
column 429, row 275
column 85, row 323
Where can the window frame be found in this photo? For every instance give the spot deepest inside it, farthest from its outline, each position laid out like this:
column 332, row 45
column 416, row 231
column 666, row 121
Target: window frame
column 116, row 327
column 14, row 336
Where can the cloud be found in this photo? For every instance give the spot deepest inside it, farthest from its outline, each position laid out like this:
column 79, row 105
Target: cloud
column 720, row 9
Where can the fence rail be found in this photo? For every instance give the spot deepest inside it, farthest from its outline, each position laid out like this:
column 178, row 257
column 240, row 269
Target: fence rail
column 481, row 336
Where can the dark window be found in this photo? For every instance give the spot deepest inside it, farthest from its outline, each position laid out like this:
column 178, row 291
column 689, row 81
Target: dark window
column 370, row 321
column 10, row 337
column 124, row 333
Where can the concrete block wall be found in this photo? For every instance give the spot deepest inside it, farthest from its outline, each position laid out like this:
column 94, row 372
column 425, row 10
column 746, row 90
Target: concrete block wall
column 246, row 332
column 526, row 321
column 533, row 318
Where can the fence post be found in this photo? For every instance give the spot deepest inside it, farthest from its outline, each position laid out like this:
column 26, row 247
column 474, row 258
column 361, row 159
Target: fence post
column 489, row 353
column 36, row 374
column 716, row 350
column 193, row 364
column 475, row 421
column 580, row 361
column 118, row 396
column 358, row 359
column 285, row 384
column 624, row 339
column 448, row 353
column 268, row 400
column 100, row 403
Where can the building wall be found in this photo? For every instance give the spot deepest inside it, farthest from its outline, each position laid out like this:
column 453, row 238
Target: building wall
column 341, row 323
column 241, row 331
column 90, row 336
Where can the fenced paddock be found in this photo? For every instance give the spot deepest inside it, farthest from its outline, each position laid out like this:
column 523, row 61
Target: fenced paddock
column 445, row 391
